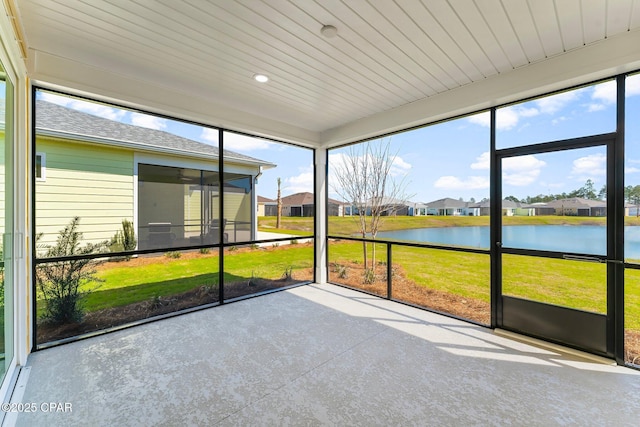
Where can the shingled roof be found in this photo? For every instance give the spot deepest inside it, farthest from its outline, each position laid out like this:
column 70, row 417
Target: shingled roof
column 57, row 120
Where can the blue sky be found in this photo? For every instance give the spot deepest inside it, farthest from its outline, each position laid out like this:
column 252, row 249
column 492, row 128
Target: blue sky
column 450, row 159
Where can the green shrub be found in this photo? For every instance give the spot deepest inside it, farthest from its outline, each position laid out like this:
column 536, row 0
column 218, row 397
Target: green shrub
column 369, row 276
column 125, row 239
column 252, row 281
column 158, row 301
column 342, row 271
column 204, row 251
column 288, row 273
column 173, row 254
column 62, row 283
column 210, row 289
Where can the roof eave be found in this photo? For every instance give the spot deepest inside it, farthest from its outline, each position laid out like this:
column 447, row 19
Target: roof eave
column 146, row 147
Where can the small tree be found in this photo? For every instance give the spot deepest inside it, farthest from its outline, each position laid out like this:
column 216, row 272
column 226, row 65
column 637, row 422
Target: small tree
column 363, row 177
column 61, row 283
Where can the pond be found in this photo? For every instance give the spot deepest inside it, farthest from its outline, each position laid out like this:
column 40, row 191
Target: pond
column 587, row 239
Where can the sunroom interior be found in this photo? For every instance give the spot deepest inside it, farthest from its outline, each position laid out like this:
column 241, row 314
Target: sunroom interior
column 282, row 95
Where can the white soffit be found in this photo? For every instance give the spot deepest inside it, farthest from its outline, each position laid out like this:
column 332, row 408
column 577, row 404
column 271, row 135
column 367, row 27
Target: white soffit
column 196, row 58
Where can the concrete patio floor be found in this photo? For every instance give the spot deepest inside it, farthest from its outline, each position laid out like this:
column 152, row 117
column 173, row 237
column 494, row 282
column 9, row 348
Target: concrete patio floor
column 320, row 355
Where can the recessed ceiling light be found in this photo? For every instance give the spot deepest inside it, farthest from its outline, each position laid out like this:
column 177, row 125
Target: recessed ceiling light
column 260, row 78
column 329, row 31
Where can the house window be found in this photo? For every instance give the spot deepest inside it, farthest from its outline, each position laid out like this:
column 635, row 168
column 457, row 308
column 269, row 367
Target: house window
column 41, row 166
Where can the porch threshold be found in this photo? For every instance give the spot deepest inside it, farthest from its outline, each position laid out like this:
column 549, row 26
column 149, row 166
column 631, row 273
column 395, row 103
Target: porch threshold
column 554, row 347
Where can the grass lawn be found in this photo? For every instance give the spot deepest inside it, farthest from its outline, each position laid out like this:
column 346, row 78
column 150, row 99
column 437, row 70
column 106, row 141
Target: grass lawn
column 568, row 283
column 573, row 284
column 122, row 284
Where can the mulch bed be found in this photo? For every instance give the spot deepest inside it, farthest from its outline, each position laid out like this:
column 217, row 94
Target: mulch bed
column 408, row 291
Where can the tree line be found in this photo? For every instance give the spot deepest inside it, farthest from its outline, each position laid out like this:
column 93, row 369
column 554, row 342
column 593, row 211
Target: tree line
column 587, row 191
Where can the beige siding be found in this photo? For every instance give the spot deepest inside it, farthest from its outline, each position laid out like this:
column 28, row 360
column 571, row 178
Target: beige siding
column 237, row 211
column 90, row 181
column 192, row 210
column 161, row 205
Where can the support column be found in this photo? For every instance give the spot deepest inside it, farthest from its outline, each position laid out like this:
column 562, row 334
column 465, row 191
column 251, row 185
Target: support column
column 321, row 215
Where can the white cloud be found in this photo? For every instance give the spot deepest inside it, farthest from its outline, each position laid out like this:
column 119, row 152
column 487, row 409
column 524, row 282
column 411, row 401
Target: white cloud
column 522, row 170
column 148, row 121
column 506, row 118
column 591, row 166
column 482, row 119
column 210, row 135
column 554, row 103
column 93, row 108
column 595, row 107
column 300, row 183
column 605, row 93
column 454, row 183
column 399, row 167
column 632, row 85
column 517, row 171
column 238, row 142
column 522, row 163
column 482, row 161
column 521, row 179
column 631, row 170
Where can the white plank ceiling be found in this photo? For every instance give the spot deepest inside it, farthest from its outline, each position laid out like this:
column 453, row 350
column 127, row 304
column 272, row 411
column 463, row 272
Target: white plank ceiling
column 387, row 53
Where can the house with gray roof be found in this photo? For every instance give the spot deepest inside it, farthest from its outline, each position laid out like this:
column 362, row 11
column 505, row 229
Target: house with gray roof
column 576, row 206
column 509, row 208
column 106, row 171
column 447, row 206
column 303, row 204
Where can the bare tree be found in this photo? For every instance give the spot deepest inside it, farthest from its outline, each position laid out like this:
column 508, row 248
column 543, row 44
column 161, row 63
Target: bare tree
column 363, row 178
column 279, row 205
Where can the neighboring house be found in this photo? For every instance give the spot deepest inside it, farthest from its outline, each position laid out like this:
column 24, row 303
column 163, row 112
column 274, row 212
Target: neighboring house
column 417, row 209
column 577, row 206
column 387, row 207
column 105, row 171
column 303, row 204
column 267, row 207
column 509, row 208
column 298, row 204
column 335, row 207
column 447, row 207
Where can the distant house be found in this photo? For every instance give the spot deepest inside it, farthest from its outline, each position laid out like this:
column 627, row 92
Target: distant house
column 577, row 206
column 509, row 208
column 417, row 209
column 298, row 204
column 105, row 171
column 456, row 207
column 447, row 207
column 267, row 207
column 387, row 207
column 303, row 204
